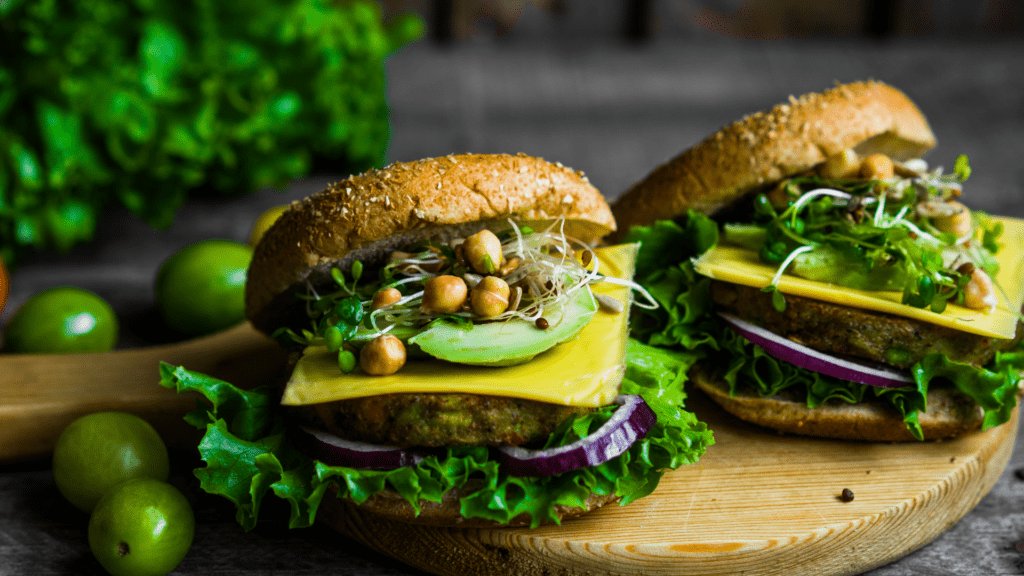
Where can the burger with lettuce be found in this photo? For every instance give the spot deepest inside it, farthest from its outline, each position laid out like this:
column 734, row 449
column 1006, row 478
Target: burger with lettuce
column 459, row 355
column 825, row 280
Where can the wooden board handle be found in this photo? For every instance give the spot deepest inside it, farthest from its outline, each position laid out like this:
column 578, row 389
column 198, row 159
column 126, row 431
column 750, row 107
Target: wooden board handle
column 41, row 394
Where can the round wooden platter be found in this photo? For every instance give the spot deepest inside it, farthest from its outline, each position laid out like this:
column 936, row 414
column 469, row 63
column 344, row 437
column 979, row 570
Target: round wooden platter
column 757, row 503
column 41, row 394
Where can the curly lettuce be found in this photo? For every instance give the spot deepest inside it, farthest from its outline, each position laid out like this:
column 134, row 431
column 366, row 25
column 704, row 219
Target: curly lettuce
column 248, row 455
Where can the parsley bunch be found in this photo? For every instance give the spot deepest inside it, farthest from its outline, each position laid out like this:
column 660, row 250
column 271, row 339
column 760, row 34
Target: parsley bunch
column 142, row 102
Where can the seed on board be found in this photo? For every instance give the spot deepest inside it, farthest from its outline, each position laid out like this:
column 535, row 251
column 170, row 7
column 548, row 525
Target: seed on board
column 847, row 495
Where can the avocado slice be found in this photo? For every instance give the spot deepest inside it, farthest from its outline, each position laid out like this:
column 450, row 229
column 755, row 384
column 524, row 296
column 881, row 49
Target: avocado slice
column 506, row 343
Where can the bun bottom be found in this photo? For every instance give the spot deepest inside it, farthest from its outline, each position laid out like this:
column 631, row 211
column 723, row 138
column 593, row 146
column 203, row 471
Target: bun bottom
column 446, row 513
column 950, row 413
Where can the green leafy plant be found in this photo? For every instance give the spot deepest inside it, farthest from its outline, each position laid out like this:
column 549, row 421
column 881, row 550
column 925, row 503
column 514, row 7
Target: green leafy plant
column 141, row 102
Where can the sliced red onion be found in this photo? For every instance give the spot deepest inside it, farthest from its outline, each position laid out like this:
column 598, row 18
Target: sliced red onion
column 336, row 451
column 630, row 422
column 799, row 355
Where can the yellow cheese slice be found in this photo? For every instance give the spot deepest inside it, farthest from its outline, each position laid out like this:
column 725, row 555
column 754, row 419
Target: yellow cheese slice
column 742, row 266
column 585, row 371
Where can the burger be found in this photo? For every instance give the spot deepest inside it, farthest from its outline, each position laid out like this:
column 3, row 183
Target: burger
column 459, row 355
column 824, row 280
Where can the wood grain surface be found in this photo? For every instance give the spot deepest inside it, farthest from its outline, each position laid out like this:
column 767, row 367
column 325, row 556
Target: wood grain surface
column 41, row 394
column 757, row 503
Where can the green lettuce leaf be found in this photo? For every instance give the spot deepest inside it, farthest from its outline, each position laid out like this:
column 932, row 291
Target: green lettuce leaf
column 247, row 454
column 665, row 269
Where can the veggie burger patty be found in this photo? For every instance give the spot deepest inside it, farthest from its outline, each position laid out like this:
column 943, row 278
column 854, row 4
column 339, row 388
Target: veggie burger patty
column 435, row 420
column 857, row 332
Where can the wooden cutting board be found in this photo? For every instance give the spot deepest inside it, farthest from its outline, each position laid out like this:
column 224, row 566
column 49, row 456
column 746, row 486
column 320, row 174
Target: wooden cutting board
column 757, row 503
column 41, row 394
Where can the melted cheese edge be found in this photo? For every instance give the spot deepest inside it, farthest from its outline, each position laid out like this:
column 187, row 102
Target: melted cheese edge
column 585, row 371
column 742, row 266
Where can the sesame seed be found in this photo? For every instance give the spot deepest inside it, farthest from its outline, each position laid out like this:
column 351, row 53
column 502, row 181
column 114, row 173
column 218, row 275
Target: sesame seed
column 524, row 170
column 567, row 199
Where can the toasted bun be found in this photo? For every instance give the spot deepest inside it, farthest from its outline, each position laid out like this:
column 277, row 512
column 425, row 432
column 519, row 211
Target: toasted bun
column 365, row 216
column 446, row 513
column 768, row 146
column 950, row 413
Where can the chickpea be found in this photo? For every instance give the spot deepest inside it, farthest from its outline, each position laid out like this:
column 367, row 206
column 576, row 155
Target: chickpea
column 382, row 356
column 877, row 166
column 958, row 222
column 443, row 295
column 384, row 298
column 483, row 252
column 490, row 297
column 845, row 164
column 979, row 293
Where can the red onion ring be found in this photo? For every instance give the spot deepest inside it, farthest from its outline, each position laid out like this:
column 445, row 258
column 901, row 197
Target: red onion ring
column 335, row 451
column 629, row 423
column 799, row 355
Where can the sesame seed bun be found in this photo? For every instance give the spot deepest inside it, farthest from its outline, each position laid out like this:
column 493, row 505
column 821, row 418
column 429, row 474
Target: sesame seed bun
column 768, row 146
column 367, row 215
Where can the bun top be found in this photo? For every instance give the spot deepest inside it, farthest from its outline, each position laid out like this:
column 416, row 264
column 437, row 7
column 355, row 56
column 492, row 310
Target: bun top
column 367, row 215
column 766, row 147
